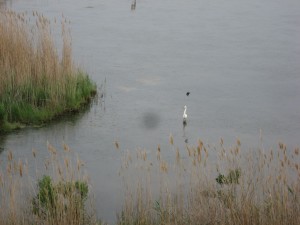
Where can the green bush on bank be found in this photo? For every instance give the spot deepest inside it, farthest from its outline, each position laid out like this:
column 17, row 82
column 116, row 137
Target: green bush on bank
column 54, row 199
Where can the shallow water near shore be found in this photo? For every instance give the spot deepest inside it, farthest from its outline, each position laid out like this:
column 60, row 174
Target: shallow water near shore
column 238, row 59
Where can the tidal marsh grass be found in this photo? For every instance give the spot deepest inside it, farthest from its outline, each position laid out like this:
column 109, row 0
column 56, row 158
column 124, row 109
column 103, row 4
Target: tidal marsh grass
column 211, row 184
column 37, row 83
column 202, row 184
column 57, row 194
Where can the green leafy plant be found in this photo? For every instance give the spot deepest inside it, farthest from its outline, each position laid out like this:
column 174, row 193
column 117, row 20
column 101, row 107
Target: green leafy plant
column 232, row 177
column 46, row 197
column 52, row 199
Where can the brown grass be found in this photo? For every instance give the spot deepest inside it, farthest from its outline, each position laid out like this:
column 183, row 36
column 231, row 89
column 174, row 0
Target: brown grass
column 37, row 82
column 258, row 186
column 203, row 184
column 28, row 53
column 18, row 184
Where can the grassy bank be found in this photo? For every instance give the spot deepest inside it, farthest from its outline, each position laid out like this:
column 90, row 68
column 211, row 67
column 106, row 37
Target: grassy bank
column 37, row 83
column 202, row 184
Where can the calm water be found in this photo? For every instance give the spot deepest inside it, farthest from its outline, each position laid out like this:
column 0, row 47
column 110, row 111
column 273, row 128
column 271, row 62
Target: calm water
column 238, row 58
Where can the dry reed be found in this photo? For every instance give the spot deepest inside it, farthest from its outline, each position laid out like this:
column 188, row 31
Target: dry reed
column 23, row 202
column 206, row 184
column 36, row 81
column 212, row 185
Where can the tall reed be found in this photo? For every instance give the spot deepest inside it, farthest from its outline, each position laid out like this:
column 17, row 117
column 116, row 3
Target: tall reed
column 55, row 194
column 203, row 184
column 211, row 184
column 37, row 82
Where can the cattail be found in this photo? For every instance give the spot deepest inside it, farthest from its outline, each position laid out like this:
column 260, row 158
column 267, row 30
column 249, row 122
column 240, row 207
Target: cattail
column 177, row 155
column 199, row 150
column 9, row 168
column 34, row 152
column 194, row 162
column 296, row 151
column 171, row 139
column 158, row 153
column 51, row 149
column 59, row 170
column 66, row 160
column 164, row 167
column 10, row 156
column 199, row 158
column 79, row 163
column 20, row 168
column 200, row 145
column 116, row 144
column 66, row 148
column 238, row 142
column 282, row 146
column 47, row 163
column 144, row 155
column 188, row 150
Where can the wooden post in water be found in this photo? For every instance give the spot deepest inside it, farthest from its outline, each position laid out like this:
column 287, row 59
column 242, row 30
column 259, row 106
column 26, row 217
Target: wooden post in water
column 133, row 5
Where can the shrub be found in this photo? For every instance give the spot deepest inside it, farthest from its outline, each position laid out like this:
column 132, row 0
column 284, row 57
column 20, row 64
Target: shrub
column 64, row 197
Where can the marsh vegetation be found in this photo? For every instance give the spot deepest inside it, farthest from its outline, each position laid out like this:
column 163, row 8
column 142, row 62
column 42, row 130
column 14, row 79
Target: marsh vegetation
column 58, row 193
column 203, row 184
column 185, row 181
column 215, row 184
column 37, row 82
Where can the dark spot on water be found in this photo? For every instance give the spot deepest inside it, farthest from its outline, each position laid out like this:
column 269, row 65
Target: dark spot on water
column 150, row 120
column 188, row 93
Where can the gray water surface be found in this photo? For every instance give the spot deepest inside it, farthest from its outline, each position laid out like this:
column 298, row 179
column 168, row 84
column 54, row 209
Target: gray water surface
column 238, row 58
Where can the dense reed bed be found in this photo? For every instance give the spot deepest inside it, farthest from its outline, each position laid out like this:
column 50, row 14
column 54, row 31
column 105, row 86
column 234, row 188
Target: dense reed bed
column 211, row 184
column 37, row 82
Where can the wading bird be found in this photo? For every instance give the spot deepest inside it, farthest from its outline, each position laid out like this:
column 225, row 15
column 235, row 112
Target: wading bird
column 184, row 115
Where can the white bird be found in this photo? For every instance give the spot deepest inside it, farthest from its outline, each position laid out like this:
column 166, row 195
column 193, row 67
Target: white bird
column 184, row 114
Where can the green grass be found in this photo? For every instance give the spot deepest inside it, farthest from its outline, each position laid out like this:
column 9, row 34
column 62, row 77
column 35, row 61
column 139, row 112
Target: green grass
column 37, row 83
